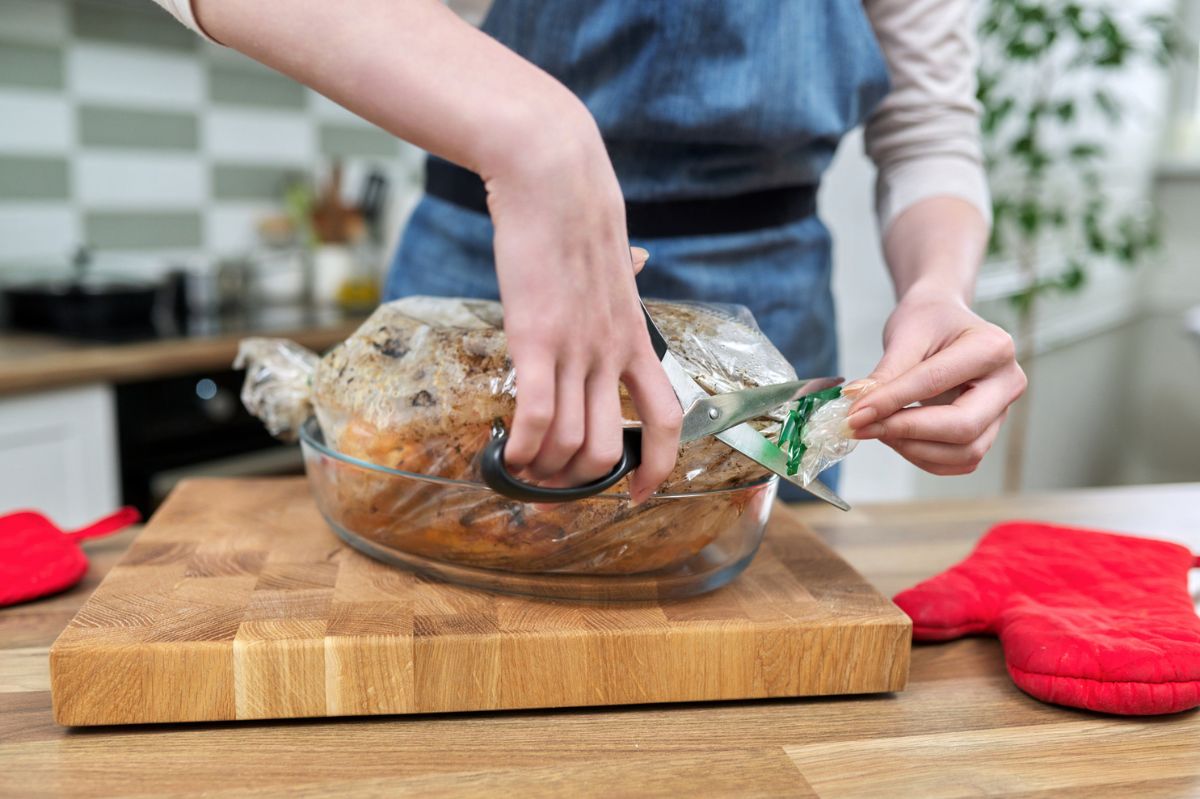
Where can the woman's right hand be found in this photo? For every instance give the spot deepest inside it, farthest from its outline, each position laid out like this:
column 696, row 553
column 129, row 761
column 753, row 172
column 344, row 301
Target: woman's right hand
column 571, row 310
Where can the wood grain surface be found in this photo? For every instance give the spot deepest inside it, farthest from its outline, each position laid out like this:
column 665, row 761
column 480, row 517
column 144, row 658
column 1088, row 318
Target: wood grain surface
column 31, row 362
column 238, row 602
column 960, row 729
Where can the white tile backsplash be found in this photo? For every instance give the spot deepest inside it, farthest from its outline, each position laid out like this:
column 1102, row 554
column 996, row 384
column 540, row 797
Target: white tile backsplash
column 145, row 78
column 132, row 180
column 231, row 228
column 327, row 110
column 35, row 122
column 259, row 137
column 37, row 233
column 115, row 174
column 149, row 263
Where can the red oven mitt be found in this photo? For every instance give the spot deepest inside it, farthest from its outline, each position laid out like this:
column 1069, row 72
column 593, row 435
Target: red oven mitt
column 37, row 558
column 1087, row 619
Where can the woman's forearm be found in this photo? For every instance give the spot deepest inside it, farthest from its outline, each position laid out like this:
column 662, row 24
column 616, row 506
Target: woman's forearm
column 936, row 244
column 410, row 66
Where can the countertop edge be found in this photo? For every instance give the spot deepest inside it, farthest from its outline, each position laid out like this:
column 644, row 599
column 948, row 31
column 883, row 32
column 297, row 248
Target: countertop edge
column 119, row 363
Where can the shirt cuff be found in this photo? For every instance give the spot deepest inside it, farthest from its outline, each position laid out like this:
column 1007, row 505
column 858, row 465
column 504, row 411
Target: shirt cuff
column 182, row 11
column 906, row 183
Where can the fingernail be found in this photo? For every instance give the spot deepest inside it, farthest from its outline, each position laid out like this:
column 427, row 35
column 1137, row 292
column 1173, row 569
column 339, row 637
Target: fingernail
column 861, row 417
column 639, row 254
column 870, row 431
column 857, row 388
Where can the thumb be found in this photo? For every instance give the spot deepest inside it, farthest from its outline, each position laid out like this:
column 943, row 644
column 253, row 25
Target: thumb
column 639, row 257
column 947, row 606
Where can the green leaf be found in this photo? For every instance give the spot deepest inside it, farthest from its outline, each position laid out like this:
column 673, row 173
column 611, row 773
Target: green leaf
column 1023, row 145
column 993, row 115
column 1022, row 302
column 1108, row 105
column 1065, row 111
column 1074, row 278
column 1029, row 217
column 1085, row 151
column 1115, row 45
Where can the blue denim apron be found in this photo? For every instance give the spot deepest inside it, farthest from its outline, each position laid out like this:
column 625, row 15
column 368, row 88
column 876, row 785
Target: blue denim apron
column 695, row 99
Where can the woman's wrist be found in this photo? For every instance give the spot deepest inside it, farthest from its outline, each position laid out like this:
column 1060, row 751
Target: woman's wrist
column 936, row 286
column 547, row 127
column 935, row 247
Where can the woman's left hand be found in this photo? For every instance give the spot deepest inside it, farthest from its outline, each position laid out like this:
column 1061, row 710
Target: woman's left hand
column 962, row 369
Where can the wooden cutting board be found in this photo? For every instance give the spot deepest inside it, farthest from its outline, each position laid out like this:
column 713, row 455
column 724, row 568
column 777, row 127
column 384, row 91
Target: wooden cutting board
column 238, row 602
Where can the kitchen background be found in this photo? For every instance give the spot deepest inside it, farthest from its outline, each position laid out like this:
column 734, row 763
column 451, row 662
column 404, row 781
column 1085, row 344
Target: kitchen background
column 163, row 155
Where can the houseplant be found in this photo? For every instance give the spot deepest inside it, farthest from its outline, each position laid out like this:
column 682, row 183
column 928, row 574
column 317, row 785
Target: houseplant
column 1049, row 110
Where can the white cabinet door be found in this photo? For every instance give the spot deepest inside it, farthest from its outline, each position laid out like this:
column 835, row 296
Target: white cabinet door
column 58, row 454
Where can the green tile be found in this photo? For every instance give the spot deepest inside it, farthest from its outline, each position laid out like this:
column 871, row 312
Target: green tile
column 230, row 84
column 122, row 230
column 34, row 20
column 32, row 65
column 106, row 126
column 346, row 141
column 138, row 23
column 33, row 178
column 238, row 182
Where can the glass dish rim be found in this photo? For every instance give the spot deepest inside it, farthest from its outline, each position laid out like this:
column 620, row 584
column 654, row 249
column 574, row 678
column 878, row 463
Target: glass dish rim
column 311, row 428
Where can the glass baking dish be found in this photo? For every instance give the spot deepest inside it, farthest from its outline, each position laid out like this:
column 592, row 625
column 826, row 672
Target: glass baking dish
column 600, row 548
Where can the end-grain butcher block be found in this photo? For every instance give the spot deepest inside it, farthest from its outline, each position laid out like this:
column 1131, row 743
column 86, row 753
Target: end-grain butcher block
column 238, row 602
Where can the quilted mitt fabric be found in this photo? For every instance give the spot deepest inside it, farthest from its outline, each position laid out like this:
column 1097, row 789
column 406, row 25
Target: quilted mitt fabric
column 1087, row 619
column 37, row 558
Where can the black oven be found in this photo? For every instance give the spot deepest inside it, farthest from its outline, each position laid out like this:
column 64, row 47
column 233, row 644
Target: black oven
column 169, row 429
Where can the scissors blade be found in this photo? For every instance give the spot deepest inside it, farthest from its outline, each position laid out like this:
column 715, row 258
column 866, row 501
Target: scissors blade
column 722, row 411
column 755, row 446
column 742, row 437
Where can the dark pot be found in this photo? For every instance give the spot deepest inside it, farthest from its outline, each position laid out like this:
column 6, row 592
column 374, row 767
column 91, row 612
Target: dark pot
column 90, row 307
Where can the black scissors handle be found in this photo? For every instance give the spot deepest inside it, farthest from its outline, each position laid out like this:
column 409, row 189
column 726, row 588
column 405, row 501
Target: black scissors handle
column 500, row 480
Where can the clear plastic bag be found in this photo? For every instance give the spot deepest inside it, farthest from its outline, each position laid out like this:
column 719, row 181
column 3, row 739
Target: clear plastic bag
column 418, row 388
column 278, row 386
column 825, row 436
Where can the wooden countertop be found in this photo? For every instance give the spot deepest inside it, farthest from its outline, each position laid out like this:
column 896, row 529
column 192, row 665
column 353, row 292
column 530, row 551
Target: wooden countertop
column 960, row 729
column 33, row 362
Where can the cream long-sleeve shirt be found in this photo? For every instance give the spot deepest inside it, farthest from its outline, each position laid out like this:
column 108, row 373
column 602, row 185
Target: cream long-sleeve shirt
column 924, row 136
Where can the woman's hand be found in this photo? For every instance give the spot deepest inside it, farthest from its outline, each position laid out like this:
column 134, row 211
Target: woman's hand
column 962, row 369
column 571, row 311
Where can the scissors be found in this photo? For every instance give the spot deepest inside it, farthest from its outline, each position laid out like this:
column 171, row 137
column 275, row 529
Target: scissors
column 723, row 416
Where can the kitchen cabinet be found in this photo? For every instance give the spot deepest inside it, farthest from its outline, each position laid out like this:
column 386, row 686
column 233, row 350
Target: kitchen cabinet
column 58, row 453
column 62, row 446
